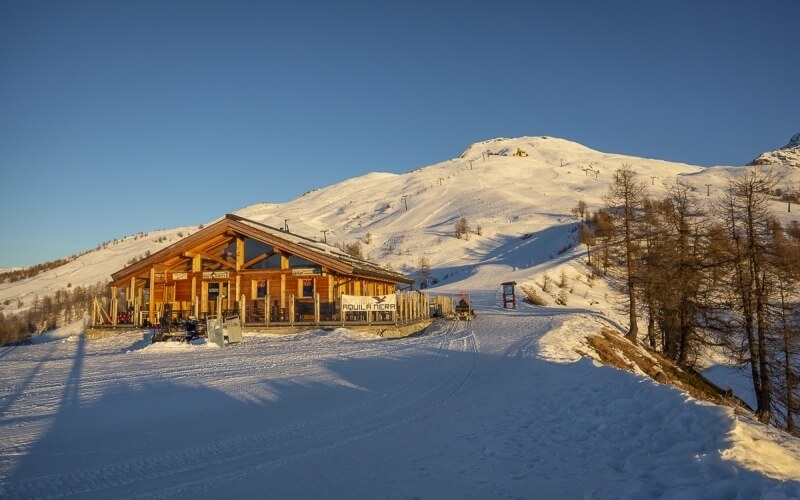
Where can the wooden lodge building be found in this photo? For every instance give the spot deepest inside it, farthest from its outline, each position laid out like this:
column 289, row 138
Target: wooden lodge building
column 239, row 266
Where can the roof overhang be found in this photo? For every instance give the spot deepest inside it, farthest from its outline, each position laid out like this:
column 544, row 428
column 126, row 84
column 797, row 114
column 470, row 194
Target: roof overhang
column 235, row 226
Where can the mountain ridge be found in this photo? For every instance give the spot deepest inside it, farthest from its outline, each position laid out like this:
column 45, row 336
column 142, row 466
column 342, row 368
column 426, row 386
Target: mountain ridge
column 402, row 218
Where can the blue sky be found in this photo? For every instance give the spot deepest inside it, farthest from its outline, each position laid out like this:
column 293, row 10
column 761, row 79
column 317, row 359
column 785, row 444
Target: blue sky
column 120, row 117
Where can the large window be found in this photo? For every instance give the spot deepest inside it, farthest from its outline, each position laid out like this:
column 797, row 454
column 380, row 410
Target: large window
column 254, row 248
column 295, row 261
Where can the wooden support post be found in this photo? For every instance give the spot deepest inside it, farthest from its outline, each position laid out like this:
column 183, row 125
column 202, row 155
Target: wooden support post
column 241, row 307
column 316, row 308
column 151, row 311
column 239, row 254
column 195, row 302
column 266, row 306
column 283, row 291
column 132, row 296
column 238, row 290
column 114, row 306
column 291, row 309
column 230, row 298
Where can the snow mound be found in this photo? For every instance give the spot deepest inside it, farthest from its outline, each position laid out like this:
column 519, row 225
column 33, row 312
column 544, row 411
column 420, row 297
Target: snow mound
column 346, row 334
column 566, row 340
column 67, row 333
column 765, row 449
column 175, row 346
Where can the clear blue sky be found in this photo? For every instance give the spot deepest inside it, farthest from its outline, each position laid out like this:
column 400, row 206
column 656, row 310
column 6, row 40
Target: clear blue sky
column 125, row 116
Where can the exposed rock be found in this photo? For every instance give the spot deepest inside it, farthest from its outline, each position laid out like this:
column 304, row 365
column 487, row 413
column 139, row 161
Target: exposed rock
column 787, row 155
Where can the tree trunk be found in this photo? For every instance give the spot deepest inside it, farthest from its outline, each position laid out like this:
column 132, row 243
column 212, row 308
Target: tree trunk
column 633, row 330
column 651, row 328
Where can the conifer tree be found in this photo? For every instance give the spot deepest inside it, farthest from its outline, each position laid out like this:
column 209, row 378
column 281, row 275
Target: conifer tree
column 625, row 200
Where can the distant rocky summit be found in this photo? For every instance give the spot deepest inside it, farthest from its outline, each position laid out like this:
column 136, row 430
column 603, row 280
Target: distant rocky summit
column 787, row 155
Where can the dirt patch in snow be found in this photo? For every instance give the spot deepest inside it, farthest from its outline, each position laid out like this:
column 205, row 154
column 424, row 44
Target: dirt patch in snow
column 615, row 350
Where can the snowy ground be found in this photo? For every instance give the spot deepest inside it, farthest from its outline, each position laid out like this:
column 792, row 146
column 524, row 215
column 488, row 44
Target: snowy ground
column 497, row 408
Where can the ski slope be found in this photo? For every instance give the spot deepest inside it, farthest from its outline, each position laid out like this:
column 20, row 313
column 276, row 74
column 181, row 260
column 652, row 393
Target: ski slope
column 400, row 218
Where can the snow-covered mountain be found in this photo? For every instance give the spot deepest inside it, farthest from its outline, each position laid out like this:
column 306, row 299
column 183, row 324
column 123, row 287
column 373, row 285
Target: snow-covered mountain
column 507, row 405
column 520, row 205
column 787, row 155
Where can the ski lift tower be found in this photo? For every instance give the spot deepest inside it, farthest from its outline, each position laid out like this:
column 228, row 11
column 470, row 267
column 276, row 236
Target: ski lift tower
column 509, row 296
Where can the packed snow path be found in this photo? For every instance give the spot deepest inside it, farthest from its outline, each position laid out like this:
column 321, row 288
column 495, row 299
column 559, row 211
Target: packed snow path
column 469, row 410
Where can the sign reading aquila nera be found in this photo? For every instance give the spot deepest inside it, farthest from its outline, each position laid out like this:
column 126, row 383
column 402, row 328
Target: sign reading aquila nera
column 357, row 303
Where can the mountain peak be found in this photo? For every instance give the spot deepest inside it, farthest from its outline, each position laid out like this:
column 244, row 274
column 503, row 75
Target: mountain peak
column 506, row 146
column 787, row 155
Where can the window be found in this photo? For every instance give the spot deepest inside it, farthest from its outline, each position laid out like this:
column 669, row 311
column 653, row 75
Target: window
column 308, row 288
column 216, row 290
column 254, row 248
column 295, row 261
column 229, row 252
column 261, row 289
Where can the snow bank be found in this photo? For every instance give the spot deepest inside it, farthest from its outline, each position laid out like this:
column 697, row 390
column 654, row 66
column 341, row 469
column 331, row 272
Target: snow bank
column 762, row 448
column 77, row 327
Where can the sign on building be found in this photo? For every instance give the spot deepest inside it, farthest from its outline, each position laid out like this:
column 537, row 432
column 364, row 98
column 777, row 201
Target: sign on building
column 369, row 303
column 211, row 275
column 306, row 271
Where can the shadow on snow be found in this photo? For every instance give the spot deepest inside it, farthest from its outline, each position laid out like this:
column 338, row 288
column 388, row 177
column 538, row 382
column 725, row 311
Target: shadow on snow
column 412, row 422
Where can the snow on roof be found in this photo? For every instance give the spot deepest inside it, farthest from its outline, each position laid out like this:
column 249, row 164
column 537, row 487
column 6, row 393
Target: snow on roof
column 360, row 266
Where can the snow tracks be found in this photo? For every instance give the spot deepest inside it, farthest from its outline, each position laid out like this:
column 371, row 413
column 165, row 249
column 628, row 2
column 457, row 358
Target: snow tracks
column 347, row 390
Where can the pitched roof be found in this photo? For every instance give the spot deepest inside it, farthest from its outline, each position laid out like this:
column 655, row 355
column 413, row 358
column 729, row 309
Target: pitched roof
column 306, row 248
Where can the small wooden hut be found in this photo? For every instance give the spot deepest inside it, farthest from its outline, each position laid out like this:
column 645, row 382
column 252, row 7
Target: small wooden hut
column 240, row 266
